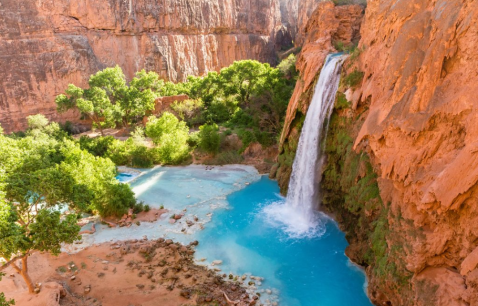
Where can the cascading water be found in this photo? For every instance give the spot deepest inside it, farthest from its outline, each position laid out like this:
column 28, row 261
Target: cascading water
column 297, row 214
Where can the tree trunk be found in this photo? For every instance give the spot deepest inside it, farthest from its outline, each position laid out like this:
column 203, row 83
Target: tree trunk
column 26, row 277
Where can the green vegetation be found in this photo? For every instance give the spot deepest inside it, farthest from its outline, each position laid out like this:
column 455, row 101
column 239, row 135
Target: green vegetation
column 353, row 79
column 170, row 135
column 47, row 178
column 248, row 98
column 42, row 173
column 110, row 101
column 350, row 188
column 3, row 299
column 209, row 139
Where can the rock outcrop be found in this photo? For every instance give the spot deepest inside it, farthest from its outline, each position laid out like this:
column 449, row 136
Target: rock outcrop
column 419, row 60
column 45, row 45
column 327, row 24
column 412, row 123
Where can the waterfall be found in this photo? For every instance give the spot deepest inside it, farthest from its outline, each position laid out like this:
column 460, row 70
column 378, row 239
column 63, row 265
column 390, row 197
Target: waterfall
column 298, row 214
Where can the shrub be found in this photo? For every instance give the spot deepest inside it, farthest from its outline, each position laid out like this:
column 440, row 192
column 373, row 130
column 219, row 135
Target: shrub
column 246, row 137
column 171, row 136
column 97, row 146
column 353, row 79
column 37, row 121
column 138, row 207
column 191, row 111
column 131, row 154
column 174, row 147
column 342, row 102
column 226, row 158
column 193, row 139
column 166, row 124
column 116, row 200
column 209, row 139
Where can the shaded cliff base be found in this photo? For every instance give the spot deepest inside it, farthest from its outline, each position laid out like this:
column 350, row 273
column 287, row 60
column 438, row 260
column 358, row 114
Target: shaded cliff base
column 121, row 274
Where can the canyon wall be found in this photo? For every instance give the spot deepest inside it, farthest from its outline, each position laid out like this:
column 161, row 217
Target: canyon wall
column 47, row 44
column 419, row 63
column 328, row 24
column 403, row 166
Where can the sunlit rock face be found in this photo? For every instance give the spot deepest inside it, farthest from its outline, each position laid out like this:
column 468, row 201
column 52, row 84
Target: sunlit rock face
column 420, row 64
column 327, row 24
column 419, row 61
column 45, row 45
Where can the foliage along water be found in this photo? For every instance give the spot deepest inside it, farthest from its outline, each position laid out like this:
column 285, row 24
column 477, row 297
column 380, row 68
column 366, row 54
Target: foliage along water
column 229, row 203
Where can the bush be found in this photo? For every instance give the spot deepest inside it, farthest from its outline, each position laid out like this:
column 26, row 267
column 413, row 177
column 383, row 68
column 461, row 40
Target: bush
column 342, row 102
column 209, row 138
column 97, row 146
column 193, row 139
column 171, row 136
column 37, row 121
column 138, row 207
column 353, row 79
column 174, row 147
column 246, row 137
column 191, row 111
column 116, row 200
column 131, row 154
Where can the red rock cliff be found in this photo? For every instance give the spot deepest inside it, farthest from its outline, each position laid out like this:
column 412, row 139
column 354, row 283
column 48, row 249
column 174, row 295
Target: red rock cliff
column 45, row 45
column 327, row 24
column 420, row 63
column 420, row 131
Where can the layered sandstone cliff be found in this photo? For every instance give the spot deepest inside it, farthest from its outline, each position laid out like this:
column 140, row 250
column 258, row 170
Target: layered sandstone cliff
column 328, row 24
column 45, row 45
column 419, row 62
column 409, row 130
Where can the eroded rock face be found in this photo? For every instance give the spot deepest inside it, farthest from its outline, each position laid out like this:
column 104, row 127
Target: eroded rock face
column 419, row 61
column 45, row 45
column 419, row 64
column 327, row 24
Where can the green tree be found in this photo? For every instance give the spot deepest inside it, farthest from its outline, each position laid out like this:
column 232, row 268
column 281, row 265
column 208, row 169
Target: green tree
column 245, row 79
column 26, row 227
column 111, row 100
column 170, row 135
column 37, row 121
column 140, row 97
column 209, row 138
column 92, row 103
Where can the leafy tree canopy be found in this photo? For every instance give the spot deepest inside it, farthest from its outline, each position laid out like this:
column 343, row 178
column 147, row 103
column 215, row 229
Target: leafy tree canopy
column 42, row 173
column 110, row 100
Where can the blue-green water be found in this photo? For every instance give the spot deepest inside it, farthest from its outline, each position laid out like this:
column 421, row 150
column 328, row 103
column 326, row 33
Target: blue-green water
column 306, row 272
column 227, row 206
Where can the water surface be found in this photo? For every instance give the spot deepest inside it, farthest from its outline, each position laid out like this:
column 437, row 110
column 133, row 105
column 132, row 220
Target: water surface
column 228, row 203
column 306, row 272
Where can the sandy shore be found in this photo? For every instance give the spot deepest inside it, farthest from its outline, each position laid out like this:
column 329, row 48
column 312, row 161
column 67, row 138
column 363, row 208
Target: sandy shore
column 130, row 273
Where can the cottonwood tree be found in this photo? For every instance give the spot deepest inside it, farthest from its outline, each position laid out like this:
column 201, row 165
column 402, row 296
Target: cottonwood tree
column 29, row 219
column 170, row 135
column 109, row 100
column 39, row 175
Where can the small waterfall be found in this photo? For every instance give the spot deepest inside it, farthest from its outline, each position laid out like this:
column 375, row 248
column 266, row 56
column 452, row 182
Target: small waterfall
column 297, row 215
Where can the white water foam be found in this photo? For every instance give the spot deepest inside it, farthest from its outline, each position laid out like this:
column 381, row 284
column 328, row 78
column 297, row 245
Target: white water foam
column 297, row 216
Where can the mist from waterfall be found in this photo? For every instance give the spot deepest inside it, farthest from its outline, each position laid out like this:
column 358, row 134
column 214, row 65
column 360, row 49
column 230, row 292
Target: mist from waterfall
column 297, row 215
